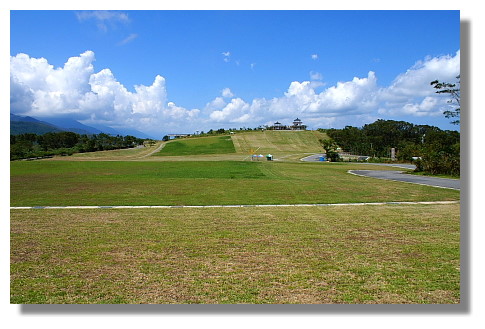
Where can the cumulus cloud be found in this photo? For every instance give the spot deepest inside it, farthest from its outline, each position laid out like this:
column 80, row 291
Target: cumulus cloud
column 314, row 57
column 39, row 89
column 298, row 99
column 410, row 94
column 235, row 111
column 345, row 98
column 217, row 103
column 407, row 84
column 47, row 88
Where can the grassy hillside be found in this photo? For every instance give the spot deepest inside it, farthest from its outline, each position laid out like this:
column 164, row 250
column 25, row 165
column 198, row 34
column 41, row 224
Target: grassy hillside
column 278, row 142
column 197, row 146
column 288, row 145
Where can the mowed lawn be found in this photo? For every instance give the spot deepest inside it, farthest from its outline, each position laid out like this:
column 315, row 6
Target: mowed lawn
column 279, row 142
column 198, row 146
column 62, row 183
column 335, row 254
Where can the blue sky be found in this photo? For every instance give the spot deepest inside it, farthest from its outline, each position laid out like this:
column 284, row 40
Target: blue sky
column 182, row 71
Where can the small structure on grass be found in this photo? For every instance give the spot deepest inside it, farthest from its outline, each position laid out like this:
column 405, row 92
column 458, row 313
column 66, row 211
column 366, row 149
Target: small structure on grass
column 278, row 126
column 297, row 125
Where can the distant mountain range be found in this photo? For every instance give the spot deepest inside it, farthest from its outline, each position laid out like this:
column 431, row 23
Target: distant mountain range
column 22, row 125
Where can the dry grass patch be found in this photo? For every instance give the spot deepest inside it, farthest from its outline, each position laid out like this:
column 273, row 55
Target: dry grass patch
column 364, row 254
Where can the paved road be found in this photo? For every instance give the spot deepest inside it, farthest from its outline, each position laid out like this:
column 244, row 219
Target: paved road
column 402, row 177
column 397, row 165
column 398, row 175
column 313, row 157
column 316, row 157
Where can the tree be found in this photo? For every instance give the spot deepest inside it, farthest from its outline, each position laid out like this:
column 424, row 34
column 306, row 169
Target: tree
column 330, row 148
column 454, row 91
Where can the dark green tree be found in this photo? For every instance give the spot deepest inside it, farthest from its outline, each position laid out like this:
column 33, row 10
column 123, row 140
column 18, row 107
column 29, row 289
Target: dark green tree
column 330, row 148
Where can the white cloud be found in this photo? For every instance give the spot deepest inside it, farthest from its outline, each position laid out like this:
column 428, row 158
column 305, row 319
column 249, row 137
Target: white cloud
column 316, row 75
column 415, row 81
column 48, row 88
column 180, row 114
column 226, row 92
column 103, row 18
column 314, row 57
column 356, row 95
column 235, row 111
column 217, row 103
column 39, row 89
column 128, row 39
column 301, row 99
column 361, row 98
column 226, row 56
column 411, row 94
column 103, row 15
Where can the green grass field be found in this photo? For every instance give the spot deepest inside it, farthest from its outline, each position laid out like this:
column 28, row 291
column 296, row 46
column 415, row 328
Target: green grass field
column 197, row 146
column 361, row 254
column 334, row 254
column 62, row 183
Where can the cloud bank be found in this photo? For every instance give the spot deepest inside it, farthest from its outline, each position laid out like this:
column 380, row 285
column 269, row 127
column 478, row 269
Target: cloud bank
column 77, row 90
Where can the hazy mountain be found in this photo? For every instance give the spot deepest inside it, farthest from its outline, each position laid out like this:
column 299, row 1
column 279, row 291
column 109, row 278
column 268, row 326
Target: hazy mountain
column 133, row 132
column 14, row 117
column 106, row 130
column 22, row 125
column 121, row 131
column 72, row 125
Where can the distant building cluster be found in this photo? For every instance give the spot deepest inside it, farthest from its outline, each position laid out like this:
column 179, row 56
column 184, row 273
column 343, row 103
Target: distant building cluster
column 297, row 125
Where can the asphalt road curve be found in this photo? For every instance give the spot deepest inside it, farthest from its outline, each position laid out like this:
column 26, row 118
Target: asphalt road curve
column 403, row 177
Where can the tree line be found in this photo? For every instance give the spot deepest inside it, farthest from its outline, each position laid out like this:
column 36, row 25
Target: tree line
column 30, row 145
column 433, row 150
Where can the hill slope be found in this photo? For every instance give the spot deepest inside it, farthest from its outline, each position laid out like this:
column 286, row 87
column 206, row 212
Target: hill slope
column 197, row 146
column 278, row 142
column 290, row 145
